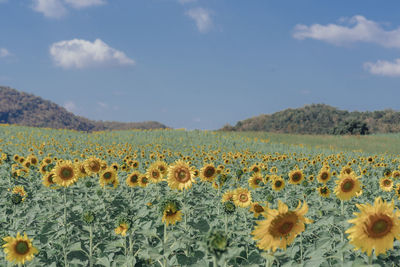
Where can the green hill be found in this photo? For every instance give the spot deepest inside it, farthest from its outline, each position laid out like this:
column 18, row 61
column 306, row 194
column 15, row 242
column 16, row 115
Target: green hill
column 29, row 110
column 321, row 119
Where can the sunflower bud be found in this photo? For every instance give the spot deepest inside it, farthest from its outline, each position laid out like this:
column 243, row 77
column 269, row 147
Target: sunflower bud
column 16, row 199
column 88, row 217
column 229, row 207
column 89, row 183
column 217, row 242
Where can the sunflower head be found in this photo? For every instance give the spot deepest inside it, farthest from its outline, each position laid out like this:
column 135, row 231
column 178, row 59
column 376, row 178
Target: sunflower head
column 180, row 175
column 324, row 176
column 242, row 197
column 277, row 183
column 133, row 179
column 208, row 173
column 347, row 186
column 19, row 249
column 88, row 217
column 217, row 242
column 171, row 211
column 375, row 227
column 296, row 177
column 229, row 207
column 324, row 191
column 386, row 184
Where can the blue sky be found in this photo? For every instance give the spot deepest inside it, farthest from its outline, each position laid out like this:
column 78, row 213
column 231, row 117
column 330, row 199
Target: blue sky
column 199, row 64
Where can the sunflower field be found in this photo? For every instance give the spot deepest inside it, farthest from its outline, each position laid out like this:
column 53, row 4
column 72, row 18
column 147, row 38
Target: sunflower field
column 192, row 198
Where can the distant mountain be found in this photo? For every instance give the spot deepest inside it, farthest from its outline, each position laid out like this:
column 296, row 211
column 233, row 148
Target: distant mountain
column 29, row 110
column 321, row 119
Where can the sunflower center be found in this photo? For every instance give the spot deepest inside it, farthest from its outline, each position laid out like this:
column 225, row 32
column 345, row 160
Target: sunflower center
column 324, row 176
column 387, row 182
column 94, row 166
column 66, row 173
column 107, row 175
column 285, row 228
column 170, row 212
column 256, row 169
column 134, row 178
column 209, row 172
column 347, row 185
column 324, row 190
column 22, row 247
column 243, row 197
column 379, row 226
column 296, row 177
column 258, row 208
column 50, row 179
column 145, row 180
column 257, row 181
column 278, row 184
column 182, row 175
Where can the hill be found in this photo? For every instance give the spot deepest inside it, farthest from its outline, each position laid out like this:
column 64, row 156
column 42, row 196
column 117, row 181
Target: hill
column 321, row 119
column 29, row 110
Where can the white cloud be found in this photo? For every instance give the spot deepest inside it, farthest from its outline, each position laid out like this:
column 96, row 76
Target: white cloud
column 186, row 1
column 359, row 29
column 384, row 68
column 70, row 106
column 4, row 52
column 84, row 3
column 102, row 105
column 80, row 54
column 50, row 8
column 202, row 17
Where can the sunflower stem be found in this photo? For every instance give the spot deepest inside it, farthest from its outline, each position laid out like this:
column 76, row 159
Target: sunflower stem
column 165, row 245
column 90, row 246
column 226, row 223
column 342, row 207
column 65, row 228
column 370, row 258
column 301, row 248
column 215, row 261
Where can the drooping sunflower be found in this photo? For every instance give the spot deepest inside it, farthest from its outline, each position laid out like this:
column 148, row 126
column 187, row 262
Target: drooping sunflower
column 19, row 249
column 228, row 196
column 324, row 176
column 375, row 227
column 133, row 179
column 347, row 186
column 65, row 173
column 171, row 213
column 81, row 168
column 180, row 175
column 258, row 208
column 280, row 227
column 154, row 174
column 208, row 173
column 242, row 197
column 386, row 184
column 324, row 191
column 296, row 177
column 277, row 183
column 256, row 180
column 93, row 166
column 108, row 176
column 121, row 229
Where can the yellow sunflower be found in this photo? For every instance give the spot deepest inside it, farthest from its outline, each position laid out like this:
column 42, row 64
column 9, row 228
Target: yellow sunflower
column 375, row 227
column 277, row 183
column 228, row 196
column 347, row 186
column 93, row 165
column 154, row 174
column 324, row 191
column 324, row 176
column 133, row 179
column 346, row 170
column 256, row 180
column 19, row 249
column 48, row 179
column 208, row 173
column 296, row 177
column 171, row 214
column 280, row 227
column 65, row 173
column 180, row 175
column 20, row 190
column 396, row 174
column 162, row 166
column 121, row 229
column 108, row 176
column 386, row 184
column 242, row 197
column 143, row 180
column 256, row 168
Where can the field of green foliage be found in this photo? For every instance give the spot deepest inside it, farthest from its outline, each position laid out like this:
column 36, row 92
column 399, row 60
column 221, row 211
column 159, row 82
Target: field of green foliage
column 195, row 198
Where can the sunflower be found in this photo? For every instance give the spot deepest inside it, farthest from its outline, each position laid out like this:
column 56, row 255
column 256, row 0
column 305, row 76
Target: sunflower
column 255, row 180
column 396, row 174
column 171, row 214
column 242, row 197
column 296, row 177
column 257, row 208
column 19, row 249
column 47, row 160
column 81, row 168
column 162, row 166
column 280, row 227
column 121, row 229
column 180, row 175
column 154, row 174
column 133, row 179
column 397, row 190
column 93, row 165
column 227, row 196
column 108, row 176
column 256, row 168
column 375, row 227
column 208, row 173
column 347, row 186
column 324, row 191
column 48, row 179
column 346, row 170
column 143, row 180
column 324, row 176
column 277, row 183
column 65, row 174
column 20, row 190
column 386, row 184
